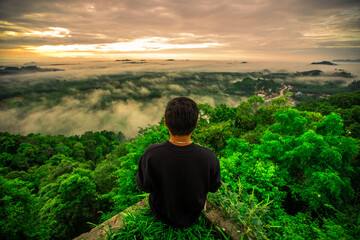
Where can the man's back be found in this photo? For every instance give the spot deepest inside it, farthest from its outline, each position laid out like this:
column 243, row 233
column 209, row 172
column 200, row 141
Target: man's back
column 178, row 179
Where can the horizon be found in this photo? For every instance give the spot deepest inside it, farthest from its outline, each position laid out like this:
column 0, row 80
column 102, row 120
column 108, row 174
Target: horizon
column 107, row 66
column 236, row 31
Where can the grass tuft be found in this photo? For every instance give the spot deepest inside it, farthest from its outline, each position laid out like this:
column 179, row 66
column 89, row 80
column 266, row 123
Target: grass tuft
column 143, row 225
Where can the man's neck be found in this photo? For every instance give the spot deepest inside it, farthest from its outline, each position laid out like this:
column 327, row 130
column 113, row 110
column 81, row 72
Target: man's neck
column 180, row 140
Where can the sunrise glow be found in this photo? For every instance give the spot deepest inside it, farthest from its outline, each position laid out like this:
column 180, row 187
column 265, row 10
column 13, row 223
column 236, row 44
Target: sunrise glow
column 53, row 32
column 147, row 44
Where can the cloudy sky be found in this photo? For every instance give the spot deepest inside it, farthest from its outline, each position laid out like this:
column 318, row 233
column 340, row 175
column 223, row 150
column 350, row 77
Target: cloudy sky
column 181, row 29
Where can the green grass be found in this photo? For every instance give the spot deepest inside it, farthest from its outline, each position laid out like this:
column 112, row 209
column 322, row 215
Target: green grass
column 143, row 225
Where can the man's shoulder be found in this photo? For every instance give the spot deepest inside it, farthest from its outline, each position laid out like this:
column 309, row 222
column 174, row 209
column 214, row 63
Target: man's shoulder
column 166, row 146
column 154, row 147
column 206, row 151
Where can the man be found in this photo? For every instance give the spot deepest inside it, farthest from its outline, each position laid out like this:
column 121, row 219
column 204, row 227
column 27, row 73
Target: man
column 177, row 173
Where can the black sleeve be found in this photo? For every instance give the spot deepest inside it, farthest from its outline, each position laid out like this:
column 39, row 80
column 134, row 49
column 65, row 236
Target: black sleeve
column 215, row 181
column 142, row 176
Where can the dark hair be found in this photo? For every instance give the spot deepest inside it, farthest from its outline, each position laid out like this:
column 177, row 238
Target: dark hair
column 181, row 115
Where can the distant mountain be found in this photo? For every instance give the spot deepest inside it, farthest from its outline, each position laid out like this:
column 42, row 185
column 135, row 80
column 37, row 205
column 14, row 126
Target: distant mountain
column 324, row 63
column 130, row 61
column 133, row 62
column 26, row 69
column 346, row 60
column 309, row 73
column 123, row 60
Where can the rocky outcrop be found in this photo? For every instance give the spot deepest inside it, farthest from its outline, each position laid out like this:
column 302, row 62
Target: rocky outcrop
column 215, row 216
column 212, row 213
column 114, row 223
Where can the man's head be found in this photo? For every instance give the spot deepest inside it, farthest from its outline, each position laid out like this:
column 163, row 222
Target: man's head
column 181, row 115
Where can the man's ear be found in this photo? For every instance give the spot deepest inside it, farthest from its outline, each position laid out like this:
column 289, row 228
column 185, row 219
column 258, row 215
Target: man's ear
column 165, row 122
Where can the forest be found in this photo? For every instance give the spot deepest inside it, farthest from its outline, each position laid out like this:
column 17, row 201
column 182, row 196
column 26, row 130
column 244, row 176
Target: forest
column 288, row 172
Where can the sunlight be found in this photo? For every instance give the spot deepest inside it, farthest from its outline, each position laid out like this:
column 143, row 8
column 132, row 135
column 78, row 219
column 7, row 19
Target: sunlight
column 9, row 33
column 54, row 32
column 144, row 44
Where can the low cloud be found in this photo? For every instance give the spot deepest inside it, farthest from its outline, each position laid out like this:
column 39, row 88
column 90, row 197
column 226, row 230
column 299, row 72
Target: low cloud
column 144, row 91
column 324, row 80
column 176, row 88
column 70, row 119
column 162, row 79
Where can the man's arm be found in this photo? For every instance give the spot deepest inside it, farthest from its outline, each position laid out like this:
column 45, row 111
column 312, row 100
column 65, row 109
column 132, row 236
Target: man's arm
column 142, row 176
column 215, row 181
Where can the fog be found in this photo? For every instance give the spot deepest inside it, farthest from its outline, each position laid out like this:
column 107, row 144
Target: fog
column 118, row 104
column 74, row 118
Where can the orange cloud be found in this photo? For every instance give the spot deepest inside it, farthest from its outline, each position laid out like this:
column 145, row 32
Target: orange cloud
column 53, row 32
column 143, row 44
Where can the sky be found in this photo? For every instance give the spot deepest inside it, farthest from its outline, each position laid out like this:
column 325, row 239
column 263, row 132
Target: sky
column 181, row 29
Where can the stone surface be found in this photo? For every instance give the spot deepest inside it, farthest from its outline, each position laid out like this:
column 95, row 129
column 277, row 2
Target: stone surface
column 215, row 216
column 114, row 223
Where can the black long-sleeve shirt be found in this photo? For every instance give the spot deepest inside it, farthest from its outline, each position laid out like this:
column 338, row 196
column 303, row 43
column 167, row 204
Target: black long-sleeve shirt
column 178, row 179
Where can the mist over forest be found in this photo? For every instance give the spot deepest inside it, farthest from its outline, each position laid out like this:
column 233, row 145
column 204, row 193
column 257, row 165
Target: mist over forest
column 127, row 95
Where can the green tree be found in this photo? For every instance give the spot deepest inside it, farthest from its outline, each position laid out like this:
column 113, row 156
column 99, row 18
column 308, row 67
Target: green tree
column 69, row 204
column 18, row 210
column 313, row 159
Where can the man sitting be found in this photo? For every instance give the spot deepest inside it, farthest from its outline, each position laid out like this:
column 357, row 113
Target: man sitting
column 177, row 173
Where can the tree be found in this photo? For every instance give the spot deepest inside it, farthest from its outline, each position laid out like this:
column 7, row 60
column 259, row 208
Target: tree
column 222, row 113
column 69, row 204
column 314, row 159
column 17, row 210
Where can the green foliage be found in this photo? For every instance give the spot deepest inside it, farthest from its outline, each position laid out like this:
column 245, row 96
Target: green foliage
column 347, row 105
column 319, row 87
column 245, row 162
column 104, row 176
column 332, row 125
column 213, row 135
column 303, row 164
column 60, row 189
column 246, row 113
column 345, row 100
column 143, row 225
column 222, row 113
column 256, row 112
column 69, row 203
column 289, row 123
column 312, row 159
column 248, row 85
column 246, row 210
column 17, row 208
column 354, row 85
